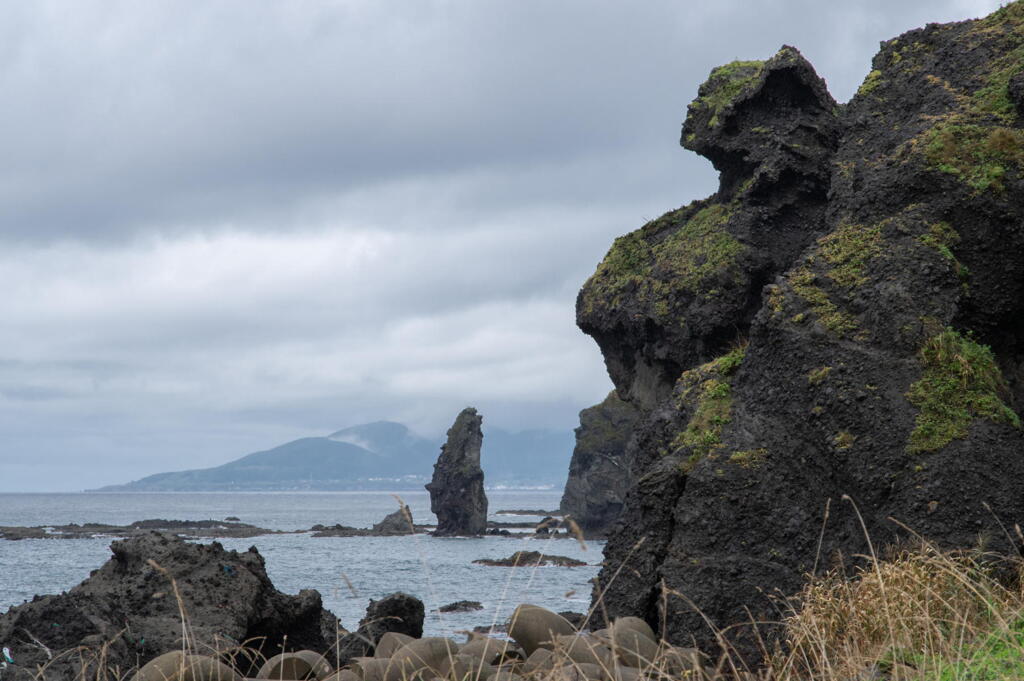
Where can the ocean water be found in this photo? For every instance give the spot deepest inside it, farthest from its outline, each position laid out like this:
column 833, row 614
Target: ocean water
column 347, row 571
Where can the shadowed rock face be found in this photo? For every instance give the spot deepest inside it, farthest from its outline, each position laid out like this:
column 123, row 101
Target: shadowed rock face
column 838, row 327
column 131, row 603
column 599, row 473
column 457, row 489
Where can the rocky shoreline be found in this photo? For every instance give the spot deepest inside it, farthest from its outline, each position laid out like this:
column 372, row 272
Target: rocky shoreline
column 161, row 605
column 392, row 525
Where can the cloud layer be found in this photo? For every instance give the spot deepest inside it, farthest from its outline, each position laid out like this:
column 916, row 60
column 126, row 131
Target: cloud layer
column 229, row 224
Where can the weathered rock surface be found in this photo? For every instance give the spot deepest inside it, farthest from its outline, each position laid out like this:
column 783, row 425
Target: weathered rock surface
column 398, row 613
column 393, row 524
column 837, row 330
column 457, row 495
column 600, row 473
column 131, row 603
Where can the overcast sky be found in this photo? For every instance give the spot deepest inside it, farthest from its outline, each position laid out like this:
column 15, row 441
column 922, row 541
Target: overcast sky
column 225, row 225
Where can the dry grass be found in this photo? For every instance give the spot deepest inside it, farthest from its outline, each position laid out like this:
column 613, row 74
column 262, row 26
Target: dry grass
column 924, row 614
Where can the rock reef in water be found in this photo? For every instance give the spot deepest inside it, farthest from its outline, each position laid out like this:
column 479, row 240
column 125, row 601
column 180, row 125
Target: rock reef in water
column 131, row 603
column 457, row 495
column 599, row 473
column 837, row 331
column 531, row 559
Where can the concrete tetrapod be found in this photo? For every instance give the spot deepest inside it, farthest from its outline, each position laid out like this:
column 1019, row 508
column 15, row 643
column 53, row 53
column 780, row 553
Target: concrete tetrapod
column 681, row 660
column 390, row 642
column 179, row 666
column 631, row 646
column 303, row 665
column 506, row 675
column 370, row 668
column 582, row 649
column 636, row 624
column 343, row 675
column 489, row 650
column 582, row 671
column 540, row 660
column 534, row 627
column 466, row 668
column 422, row 657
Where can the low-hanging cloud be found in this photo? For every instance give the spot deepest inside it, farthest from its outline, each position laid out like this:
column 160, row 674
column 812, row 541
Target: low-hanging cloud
column 228, row 224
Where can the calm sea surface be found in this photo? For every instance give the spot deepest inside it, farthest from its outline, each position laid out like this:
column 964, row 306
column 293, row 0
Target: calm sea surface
column 438, row 571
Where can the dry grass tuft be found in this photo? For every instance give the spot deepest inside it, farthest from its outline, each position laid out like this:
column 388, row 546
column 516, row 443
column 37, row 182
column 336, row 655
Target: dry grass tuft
column 924, row 614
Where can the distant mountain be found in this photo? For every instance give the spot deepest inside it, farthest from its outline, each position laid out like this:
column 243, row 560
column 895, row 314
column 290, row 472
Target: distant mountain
column 380, row 455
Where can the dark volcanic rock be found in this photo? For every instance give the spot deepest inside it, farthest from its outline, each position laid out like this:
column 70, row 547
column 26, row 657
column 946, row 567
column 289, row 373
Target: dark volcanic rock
column 182, row 528
column 462, row 606
column 600, row 473
column 396, row 523
column 397, row 612
column 839, row 328
column 457, row 489
column 530, row 559
column 130, row 602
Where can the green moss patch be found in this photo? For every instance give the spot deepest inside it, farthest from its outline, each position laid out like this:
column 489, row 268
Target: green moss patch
column 961, row 381
column 749, row 458
column 848, row 250
column 977, row 155
column 725, row 84
column 873, row 80
column 700, row 248
column 695, row 251
column 942, row 237
column 817, row 376
column 709, row 385
column 805, row 284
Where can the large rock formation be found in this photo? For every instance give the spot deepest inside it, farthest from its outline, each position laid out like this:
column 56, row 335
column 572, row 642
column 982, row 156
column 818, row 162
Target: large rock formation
column 457, row 489
column 834, row 336
column 128, row 611
column 599, row 473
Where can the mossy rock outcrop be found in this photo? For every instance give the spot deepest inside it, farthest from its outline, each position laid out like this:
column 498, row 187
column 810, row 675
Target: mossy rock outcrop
column 830, row 347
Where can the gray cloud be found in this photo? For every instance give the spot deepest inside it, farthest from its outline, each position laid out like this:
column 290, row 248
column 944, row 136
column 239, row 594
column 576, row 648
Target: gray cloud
column 229, row 224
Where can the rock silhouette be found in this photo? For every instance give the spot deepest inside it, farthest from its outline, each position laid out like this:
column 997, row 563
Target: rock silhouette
column 457, row 495
column 835, row 334
column 600, row 473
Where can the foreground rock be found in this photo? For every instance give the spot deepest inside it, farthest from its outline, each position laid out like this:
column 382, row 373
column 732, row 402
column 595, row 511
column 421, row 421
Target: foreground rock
column 530, row 559
column 130, row 605
column 599, row 472
column 457, row 489
column 218, row 529
column 808, row 345
column 396, row 613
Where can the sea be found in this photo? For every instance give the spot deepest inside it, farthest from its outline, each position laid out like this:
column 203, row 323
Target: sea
column 347, row 571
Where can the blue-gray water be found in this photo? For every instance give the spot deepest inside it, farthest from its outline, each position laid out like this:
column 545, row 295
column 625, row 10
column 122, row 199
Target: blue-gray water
column 438, row 571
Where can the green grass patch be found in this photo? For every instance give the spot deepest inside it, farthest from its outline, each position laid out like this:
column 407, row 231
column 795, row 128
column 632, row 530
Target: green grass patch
column 977, row 155
column 805, row 285
column 960, row 382
column 848, row 250
column 725, row 84
column 749, row 458
column 817, row 376
column 694, row 252
column 710, row 385
column 873, row 80
column 942, row 237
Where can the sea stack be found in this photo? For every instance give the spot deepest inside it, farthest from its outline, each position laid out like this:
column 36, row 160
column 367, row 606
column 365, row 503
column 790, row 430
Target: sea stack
column 457, row 489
